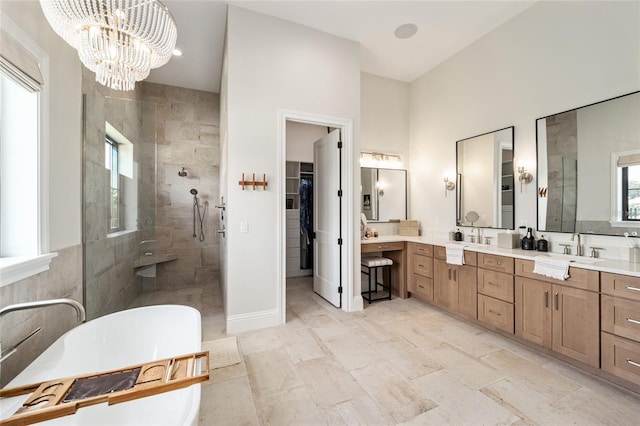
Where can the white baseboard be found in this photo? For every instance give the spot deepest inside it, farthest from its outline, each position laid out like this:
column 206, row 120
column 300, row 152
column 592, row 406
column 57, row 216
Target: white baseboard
column 357, row 304
column 253, row 321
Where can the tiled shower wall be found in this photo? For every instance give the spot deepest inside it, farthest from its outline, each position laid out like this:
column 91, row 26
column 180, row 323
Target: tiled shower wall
column 187, row 131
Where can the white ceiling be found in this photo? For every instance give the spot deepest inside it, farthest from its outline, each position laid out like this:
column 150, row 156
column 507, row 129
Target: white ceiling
column 444, row 28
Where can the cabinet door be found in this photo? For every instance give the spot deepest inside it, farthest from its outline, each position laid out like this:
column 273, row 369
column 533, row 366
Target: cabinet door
column 533, row 311
column 576, row 324
column 442, row 288
column 467, row 290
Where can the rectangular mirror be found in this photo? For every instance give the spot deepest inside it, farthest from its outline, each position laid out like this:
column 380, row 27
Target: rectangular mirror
column 589, row 168
column 384, row 194
column 485, row 181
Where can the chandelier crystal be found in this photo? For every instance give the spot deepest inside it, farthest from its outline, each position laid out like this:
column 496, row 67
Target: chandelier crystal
column 119, row 40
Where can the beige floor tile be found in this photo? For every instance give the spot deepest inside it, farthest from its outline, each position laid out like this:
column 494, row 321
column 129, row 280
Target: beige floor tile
column 227, row 373
column 531, row 406
column 435, row 416
column 414, row 334
column 252, row 342
column 591, row 408
column 271, row 372
column 550, row 384
column 228, row 403
column 469, row 370
column 406, row 359
column 469, row 406
column 353, row 351
column 325, row 326
column 396, row 396
column 293, row 407
column 328, row 382
column 303, row 345
column 370, row 330
column 468, row 340
column 358, row 411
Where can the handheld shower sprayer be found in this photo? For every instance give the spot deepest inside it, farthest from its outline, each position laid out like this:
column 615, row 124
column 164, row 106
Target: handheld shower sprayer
column 197, row 215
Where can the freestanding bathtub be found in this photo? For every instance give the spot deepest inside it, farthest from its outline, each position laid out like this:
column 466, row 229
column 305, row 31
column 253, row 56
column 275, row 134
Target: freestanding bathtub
column 114, row 341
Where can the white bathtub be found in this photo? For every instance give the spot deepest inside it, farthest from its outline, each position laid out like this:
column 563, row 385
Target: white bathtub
column 118, row 340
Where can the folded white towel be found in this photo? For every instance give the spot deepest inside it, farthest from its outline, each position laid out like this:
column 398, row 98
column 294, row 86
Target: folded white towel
column 455, row 254
column 552, row 268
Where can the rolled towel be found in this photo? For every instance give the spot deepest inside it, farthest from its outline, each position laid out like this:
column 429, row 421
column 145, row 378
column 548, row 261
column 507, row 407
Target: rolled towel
column 455, row 254
column 552, row 268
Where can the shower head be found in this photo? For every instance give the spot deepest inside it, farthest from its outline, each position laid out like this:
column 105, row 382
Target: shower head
column 194, row 191
column 182, row 173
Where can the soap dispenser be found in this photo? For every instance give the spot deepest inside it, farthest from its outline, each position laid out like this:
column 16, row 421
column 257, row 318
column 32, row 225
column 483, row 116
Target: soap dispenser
column 459, row 235
column 543, row 244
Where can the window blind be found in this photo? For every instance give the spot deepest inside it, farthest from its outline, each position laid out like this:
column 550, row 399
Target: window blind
column 18, row 64
column 629, row 160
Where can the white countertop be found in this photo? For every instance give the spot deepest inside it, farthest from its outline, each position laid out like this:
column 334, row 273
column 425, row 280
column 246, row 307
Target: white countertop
column 604, row 265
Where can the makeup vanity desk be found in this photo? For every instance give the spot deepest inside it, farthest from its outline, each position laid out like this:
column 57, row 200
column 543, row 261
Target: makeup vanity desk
column 393, row 247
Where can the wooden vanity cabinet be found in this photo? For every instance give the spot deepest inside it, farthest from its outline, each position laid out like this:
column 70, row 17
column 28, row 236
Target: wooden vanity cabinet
column 420, row 280
column 557, row 314
column 455, row 286
column 620, row 306
column 495, row 291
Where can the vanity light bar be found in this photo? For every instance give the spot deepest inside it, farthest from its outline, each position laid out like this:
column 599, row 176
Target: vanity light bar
column 378, row 159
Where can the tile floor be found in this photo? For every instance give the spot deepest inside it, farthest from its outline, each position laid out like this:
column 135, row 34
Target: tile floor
column 396, row 362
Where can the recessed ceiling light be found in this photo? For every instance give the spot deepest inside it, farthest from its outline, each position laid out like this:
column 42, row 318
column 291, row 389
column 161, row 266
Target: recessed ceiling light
column 406, row 31
column 177, row 52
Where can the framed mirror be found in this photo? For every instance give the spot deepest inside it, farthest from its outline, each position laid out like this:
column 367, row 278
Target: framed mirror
column 589, row 168
column 384, row 194
column 485, row 181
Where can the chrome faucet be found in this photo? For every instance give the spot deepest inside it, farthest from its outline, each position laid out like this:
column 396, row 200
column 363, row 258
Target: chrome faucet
column 478, row 240
column 82, row 316
column 579, row 245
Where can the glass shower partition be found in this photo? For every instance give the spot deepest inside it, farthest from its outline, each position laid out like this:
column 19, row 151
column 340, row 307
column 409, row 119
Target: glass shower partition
column 119, row 201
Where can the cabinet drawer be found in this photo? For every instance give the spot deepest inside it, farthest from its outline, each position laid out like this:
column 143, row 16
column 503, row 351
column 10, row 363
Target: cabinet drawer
column 495, row 312
column 495, row 263
column 621, row 317
column 621, row 357
column 620, row 285
column 470, row 257
column 495, row 284
column 421, row 249
column 375, row 247
column 579, row 278
column 422, row 265
column 421, row 287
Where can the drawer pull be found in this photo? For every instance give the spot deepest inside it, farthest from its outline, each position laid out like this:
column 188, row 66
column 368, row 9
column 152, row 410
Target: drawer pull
column 555, row 301
column 635, row 364
column 546, row 298
column 633, row 288
column 494, row 284
column 421, row 286
column 420, row 265
column 632, row 321
column 495, row 313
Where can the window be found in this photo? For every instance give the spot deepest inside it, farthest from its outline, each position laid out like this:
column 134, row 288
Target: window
column 23, row 209
column 111, row 160
column 631, row 193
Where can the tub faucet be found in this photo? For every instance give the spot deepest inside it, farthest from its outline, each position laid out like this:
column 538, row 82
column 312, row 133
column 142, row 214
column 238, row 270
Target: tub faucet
column 579, row 245
column 82, row 316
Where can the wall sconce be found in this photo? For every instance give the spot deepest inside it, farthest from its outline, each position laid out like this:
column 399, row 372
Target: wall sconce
column 448, row 185
column 380, row 185
column 377, row 159
column 524, row 176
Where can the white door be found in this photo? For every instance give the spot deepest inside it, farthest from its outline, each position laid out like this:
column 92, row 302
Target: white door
column 327, row 206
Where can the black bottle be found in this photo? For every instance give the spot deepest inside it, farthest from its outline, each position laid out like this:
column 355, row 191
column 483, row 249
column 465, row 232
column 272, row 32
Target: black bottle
column 528, row 242
column 542, row 244
column 458, row 235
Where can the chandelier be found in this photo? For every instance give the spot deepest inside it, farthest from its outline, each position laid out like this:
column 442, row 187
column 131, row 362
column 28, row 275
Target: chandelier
column 119, row 40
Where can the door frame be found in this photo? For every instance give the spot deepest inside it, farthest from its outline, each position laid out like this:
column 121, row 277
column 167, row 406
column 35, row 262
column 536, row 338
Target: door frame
column 349, row 303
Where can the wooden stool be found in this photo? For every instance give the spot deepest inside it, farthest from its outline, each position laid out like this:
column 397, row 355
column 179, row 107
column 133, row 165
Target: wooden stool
column 374, row 263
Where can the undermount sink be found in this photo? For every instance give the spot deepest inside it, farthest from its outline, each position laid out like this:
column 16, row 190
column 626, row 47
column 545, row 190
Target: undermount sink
column 570, row 258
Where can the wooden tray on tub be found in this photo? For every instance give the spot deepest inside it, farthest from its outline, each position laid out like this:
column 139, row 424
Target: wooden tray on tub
column 57, row 398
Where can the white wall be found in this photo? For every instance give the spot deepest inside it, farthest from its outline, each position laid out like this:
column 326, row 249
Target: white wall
column 273, row 65
column 553, row 57
column 385, row 116
column 65, row 123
